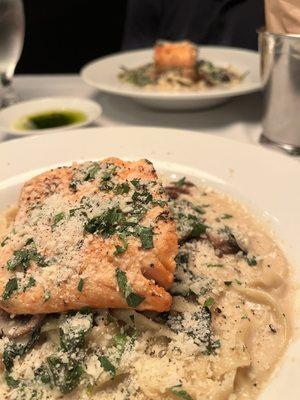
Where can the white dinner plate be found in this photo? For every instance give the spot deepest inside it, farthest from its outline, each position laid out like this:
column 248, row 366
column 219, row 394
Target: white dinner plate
column 103, row 74
column 10, row 115
column 266, row 181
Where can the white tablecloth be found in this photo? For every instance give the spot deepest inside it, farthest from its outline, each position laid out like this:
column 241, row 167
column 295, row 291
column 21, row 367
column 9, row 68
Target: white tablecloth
column 238, row 119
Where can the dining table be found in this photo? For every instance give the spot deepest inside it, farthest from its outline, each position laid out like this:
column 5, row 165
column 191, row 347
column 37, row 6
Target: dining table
column 237, row 119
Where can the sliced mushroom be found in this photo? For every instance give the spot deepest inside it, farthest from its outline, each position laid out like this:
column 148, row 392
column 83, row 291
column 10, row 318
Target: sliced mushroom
column 223, row 241
column 174, row 190
column 19, row 325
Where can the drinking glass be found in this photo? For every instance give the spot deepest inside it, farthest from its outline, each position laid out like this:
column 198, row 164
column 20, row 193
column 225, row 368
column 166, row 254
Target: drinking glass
column 280, row 62
column 12, row 27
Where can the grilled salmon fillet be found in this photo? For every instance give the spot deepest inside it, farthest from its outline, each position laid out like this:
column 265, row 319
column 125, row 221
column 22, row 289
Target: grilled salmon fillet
column 97, row 234
column 175, row 55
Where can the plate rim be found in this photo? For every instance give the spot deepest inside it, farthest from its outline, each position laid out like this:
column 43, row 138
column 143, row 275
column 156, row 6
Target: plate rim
column 204, row 135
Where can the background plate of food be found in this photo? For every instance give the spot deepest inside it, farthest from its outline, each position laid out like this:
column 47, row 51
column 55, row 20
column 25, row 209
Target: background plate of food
column 177, row 75
column 99, row 233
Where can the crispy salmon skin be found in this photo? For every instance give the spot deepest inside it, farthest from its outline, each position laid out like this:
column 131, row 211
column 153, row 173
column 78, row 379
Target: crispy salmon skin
column 97, row 234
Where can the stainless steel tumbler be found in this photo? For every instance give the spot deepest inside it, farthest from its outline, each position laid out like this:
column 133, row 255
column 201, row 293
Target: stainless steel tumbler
column 280, row 71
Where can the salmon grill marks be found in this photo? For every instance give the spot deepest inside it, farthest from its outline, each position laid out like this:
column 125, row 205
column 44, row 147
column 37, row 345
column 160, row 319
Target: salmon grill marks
column 97, row 234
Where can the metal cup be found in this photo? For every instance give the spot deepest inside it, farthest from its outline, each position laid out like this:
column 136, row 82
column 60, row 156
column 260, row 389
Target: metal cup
column 280, row 71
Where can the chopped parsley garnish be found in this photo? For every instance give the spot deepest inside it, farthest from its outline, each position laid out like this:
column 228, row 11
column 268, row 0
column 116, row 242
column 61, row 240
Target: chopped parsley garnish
column 107, row 365
column 226, row 216
column 114, row 220
column 73, row 184
column 209, row 302
column 198, row 228
column 43, row 374
column 181, row 182
column 121, row 249
column 190, row 225
column 21, row 258
column 143, row 197
column 121, row 188
column 178, row 391
column 136, row 183
column 199, row 209
column 58, row 217
column 65, row 376
column 106, row 186
column 146, row 237
column 215, row 265
column 11, row 382
column 107, row 223
column 132, row 299
column 12, row 350
column 31, row 282
column 4, row 241
column 72, row 211
column 10, row 287
column 110, row 171
column 80, row 285
column 47, row 295
column 197, row 326
column 120, row 341
column 160, row 203
column 72, row 334
column 251, row 261
column 91, row 172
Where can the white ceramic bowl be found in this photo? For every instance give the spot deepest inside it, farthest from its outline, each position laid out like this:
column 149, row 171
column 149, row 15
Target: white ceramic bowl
column 10, row 115
column 103, row 74
column 266, row 181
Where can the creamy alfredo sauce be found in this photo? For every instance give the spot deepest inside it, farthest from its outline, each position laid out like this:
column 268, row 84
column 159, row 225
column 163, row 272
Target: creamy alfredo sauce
column 228, row 326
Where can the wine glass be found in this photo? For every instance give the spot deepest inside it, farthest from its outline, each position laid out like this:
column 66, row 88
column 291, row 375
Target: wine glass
column 12, row 27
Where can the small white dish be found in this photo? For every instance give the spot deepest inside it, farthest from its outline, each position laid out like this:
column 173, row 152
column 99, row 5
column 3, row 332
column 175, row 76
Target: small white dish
column 10, row 116
column 103, row 74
